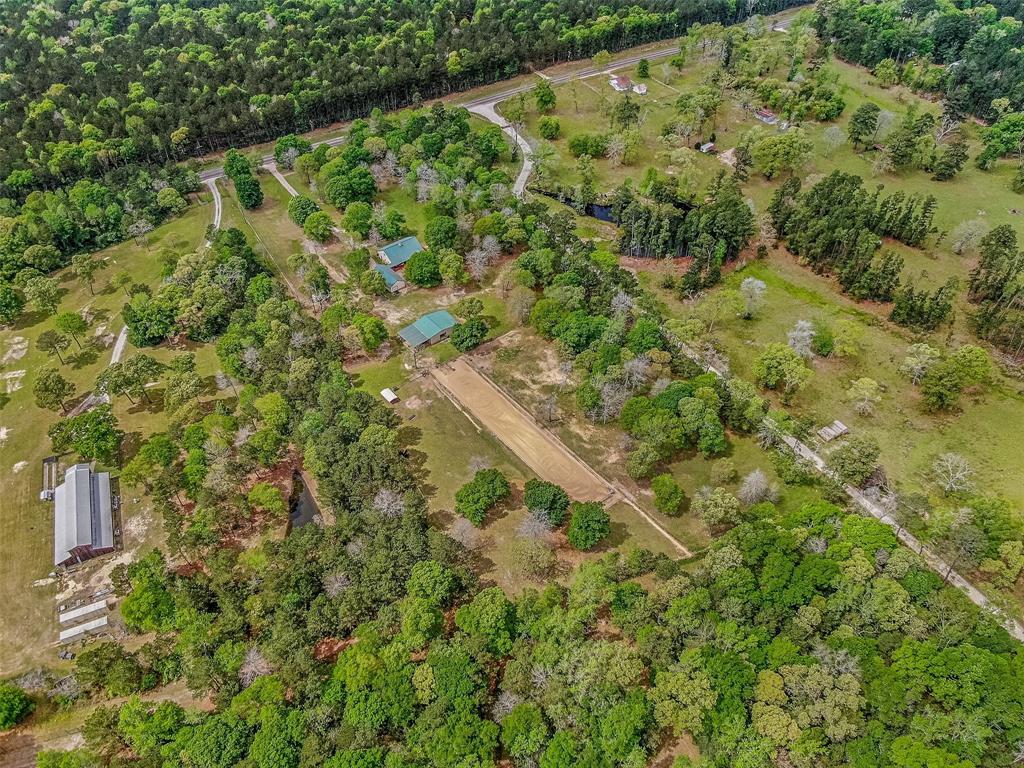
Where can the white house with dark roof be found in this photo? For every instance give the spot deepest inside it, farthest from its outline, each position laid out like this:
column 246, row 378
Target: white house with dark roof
column 83, row 523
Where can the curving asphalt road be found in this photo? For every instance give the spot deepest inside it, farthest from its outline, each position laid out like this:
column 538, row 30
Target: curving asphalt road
column 484, row 106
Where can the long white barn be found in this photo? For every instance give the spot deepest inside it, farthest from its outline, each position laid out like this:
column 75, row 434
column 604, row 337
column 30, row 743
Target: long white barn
column 83, row 525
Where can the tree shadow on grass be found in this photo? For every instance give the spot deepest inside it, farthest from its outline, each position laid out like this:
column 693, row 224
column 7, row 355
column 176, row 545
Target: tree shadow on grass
column 409, row 436
column 505, row 507
column 151, row 402
column 130, row 444
column 617, row 537
column 85, row 356
column 99, row 315
column 417, row 462
column 28, row 319
column 210, row 385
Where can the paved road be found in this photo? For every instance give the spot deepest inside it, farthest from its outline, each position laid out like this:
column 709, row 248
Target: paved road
column 484, row 104
column 218, row 203
column 655, row 54
column 272, row 167
column 488, row 112
column 92, row 399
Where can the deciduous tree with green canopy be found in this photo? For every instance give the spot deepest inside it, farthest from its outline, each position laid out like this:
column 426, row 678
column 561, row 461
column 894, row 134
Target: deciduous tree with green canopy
column 491, row 617
column 589, row 524
column 72, row 324
column 441, row 232
column 318, row 226
column 477, row 497
column 92, row 435
column 546, row 500
column 15, row 705
column 51, row 390
column 423, row 269
column 301, row 208
column 468, row 335
column 149, row 606
column 11, row 303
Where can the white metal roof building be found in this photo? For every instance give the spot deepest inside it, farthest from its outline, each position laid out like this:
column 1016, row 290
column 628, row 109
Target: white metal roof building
column 84, row 630
column 83, row 525
column 83, row 613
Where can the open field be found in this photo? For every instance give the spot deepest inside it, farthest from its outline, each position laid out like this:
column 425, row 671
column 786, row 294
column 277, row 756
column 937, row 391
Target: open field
column 582, row 107
column 545, row 456
column 984, row 430
column 26, row 524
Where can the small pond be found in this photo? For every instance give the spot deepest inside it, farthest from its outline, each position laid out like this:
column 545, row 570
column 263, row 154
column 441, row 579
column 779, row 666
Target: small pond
column 302, row 508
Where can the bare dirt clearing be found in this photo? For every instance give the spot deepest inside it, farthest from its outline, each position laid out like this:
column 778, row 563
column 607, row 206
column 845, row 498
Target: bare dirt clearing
column 539, row 450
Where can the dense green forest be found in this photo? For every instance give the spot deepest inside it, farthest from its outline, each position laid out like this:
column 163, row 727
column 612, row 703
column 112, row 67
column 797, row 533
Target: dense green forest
column 98, row 101
column 801, row 635
column 969, row 53
column 86, row 87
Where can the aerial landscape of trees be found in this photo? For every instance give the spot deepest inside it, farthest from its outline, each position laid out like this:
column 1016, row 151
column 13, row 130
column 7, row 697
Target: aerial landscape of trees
column 744, row 589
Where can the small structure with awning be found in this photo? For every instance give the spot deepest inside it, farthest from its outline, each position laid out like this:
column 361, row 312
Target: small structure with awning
column 430, row 329
column 394, row 281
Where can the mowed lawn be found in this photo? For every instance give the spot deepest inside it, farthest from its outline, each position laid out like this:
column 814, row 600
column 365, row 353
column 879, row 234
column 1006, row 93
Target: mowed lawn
column 26, row 523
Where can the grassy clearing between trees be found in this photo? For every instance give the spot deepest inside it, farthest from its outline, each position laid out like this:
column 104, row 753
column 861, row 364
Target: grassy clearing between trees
column 272, row 233
column 448, row 448
column 971, row 194
column 26, row 524
column 985, row 430
column 524, row 366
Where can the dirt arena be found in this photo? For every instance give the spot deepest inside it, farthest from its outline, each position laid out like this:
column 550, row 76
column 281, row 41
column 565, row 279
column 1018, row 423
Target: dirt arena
column 538, row 449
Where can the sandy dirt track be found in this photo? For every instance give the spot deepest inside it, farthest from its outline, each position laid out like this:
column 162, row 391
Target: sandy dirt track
column 538, row 449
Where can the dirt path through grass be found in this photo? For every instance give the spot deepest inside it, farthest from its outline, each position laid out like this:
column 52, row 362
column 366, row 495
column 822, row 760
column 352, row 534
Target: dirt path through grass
column 486, row 404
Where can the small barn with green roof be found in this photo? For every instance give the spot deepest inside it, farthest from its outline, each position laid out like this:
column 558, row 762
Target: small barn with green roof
column 430, row 329
column 392, row 279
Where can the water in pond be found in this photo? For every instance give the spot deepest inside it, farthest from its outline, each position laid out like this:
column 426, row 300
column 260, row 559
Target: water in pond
column 303, row 508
